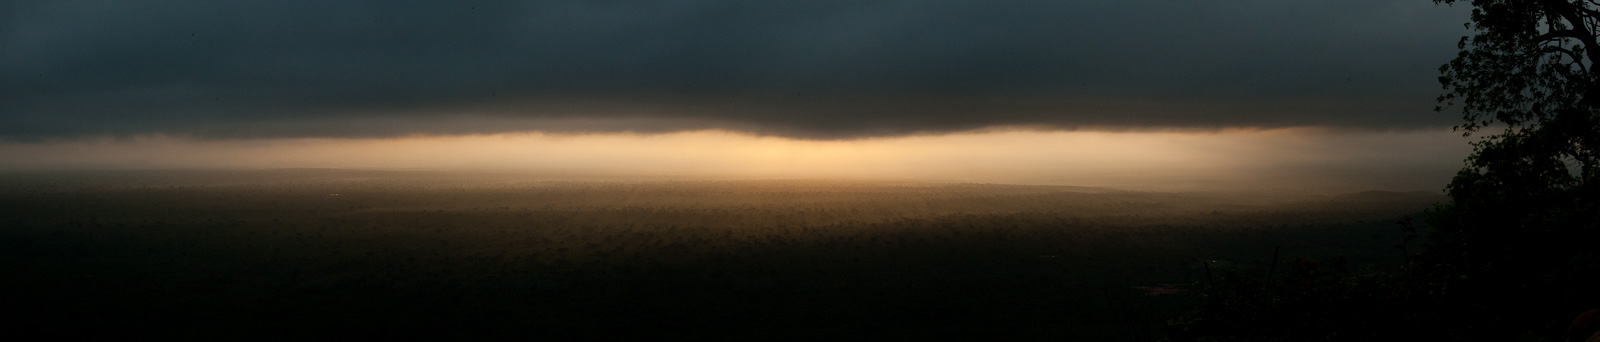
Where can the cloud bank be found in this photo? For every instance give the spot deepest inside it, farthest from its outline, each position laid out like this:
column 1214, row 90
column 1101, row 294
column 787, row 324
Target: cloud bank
column 814, row 69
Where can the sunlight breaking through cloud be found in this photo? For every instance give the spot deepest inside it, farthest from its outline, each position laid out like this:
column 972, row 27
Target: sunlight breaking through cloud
column 1302, row 159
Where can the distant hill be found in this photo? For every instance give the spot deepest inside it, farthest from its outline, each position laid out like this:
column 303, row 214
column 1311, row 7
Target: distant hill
column 1386, row 196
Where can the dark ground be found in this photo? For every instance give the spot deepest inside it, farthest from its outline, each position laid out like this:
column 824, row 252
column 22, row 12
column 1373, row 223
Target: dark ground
column 272, row 255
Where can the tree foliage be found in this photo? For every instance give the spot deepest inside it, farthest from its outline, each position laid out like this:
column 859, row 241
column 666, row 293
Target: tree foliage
column 1526, row 80
column 1519, row 233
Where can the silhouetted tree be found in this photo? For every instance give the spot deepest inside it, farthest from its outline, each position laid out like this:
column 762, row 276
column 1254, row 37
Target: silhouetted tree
column 1512, row 256
column 1517, row 242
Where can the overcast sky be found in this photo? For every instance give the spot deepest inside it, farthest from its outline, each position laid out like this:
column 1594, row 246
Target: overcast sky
column 811, row 69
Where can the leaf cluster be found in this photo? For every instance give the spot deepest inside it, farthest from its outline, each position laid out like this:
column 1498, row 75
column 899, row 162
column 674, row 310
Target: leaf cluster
column 1527, row 62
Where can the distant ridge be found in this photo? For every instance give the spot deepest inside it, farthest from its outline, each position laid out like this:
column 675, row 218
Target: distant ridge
column 1387, row 196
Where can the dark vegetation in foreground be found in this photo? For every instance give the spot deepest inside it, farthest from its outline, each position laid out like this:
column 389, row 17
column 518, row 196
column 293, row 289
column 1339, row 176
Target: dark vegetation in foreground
column 276, row 255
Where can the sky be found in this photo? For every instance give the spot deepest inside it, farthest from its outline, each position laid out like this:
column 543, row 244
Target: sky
column 152, row 84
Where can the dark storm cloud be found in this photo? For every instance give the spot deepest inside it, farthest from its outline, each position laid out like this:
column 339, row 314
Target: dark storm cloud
column 818, row 69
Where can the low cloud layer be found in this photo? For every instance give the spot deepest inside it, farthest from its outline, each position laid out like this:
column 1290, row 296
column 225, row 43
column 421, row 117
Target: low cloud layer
column 806, row 69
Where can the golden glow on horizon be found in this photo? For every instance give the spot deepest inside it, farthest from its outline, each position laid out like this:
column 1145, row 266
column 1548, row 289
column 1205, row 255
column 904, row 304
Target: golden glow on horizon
column 1005, row 156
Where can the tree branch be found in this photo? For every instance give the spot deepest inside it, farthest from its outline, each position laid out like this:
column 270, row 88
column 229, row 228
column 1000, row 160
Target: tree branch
column 1576, row 14
column 1557, row 34
column 1562, row 50
column 1589, row 12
